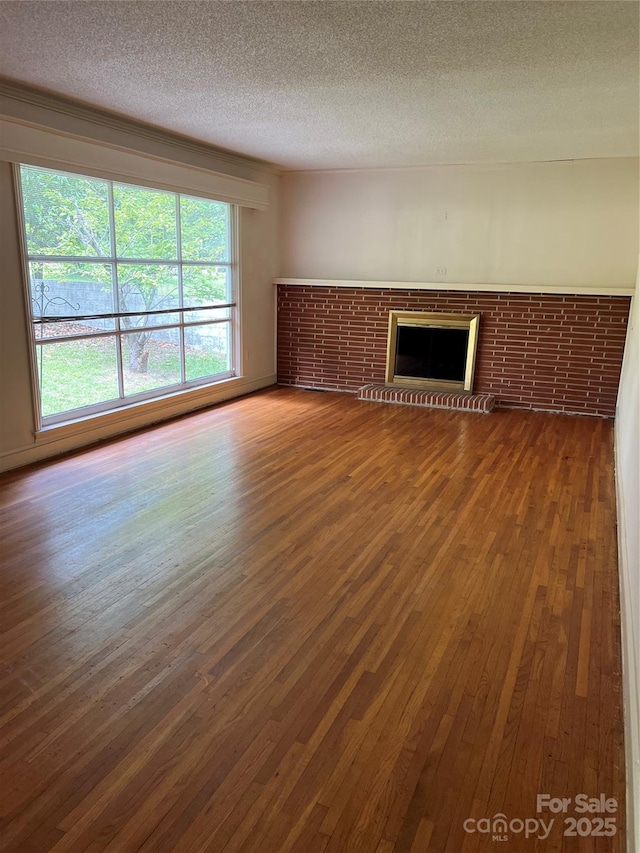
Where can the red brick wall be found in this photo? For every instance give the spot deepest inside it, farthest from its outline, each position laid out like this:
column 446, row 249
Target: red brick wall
column 535, row 351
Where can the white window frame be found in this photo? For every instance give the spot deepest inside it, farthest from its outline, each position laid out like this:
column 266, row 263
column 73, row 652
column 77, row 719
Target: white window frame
column 122, row 401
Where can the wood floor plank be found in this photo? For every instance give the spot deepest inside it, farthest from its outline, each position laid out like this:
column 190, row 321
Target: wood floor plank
column 302, row 622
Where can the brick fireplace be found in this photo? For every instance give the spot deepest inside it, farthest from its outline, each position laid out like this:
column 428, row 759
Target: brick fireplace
column 551, row 352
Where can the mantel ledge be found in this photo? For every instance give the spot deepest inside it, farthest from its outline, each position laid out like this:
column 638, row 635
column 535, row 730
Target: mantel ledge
column 559, row 290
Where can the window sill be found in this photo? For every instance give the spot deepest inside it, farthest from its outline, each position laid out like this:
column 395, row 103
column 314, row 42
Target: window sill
column 143, row 412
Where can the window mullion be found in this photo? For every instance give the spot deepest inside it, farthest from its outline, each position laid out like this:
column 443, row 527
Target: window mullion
column 104, row 259
column 115, row 289
column 233, row 293
column 183, row 368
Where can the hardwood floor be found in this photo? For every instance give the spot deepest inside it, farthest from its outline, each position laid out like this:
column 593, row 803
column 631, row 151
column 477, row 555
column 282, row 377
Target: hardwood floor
column 299, row 622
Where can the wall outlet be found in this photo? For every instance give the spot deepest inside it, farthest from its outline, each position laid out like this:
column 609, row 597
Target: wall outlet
column 441, row 270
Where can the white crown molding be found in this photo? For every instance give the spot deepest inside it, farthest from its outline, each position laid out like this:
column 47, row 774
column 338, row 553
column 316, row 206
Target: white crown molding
column 95, row 115
column 558, row 290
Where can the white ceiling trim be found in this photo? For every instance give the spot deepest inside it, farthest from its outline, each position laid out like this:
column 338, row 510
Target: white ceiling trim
column 25, row 143
column 472, row 287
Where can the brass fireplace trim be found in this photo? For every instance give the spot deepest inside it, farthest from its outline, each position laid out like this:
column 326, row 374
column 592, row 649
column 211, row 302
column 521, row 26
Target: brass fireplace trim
column 439, row 321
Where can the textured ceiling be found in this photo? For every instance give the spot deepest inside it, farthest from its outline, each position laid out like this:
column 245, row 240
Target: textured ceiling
column 347, row 84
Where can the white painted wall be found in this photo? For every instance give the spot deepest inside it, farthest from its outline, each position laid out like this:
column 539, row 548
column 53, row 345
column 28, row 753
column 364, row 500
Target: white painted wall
column 566, row 223
column 627, row 438
column 258, row 265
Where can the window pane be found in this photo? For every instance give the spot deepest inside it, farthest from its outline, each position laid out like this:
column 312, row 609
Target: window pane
column 206, row 285
column 207, row 350
column 145, row 223
column 68, row 289
column 77, row 373
column 65, row 214
column 150, row 359
column 204, row 229
column 147, row 287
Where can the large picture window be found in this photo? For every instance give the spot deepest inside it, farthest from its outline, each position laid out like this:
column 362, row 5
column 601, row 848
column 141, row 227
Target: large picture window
column 131, row 290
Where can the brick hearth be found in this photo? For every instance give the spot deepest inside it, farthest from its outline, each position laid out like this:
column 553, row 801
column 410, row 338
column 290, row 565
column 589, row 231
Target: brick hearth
column 430, row 399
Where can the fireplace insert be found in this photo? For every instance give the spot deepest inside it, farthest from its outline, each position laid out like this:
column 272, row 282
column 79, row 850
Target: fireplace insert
column 434, row 351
